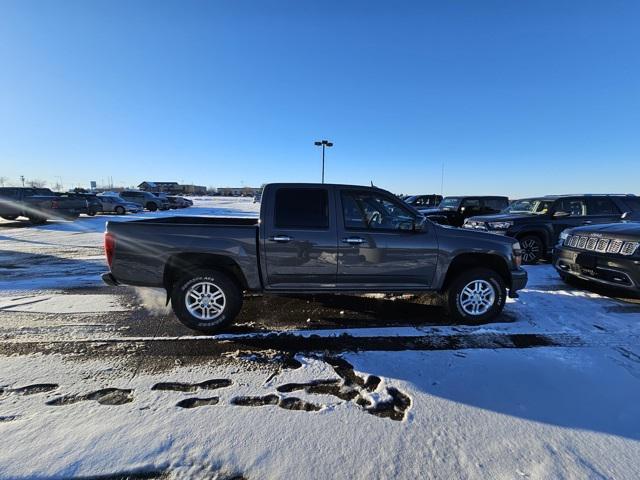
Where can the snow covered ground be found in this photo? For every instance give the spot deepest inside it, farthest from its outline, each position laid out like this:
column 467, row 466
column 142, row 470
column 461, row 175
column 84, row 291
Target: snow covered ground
column 102, row 381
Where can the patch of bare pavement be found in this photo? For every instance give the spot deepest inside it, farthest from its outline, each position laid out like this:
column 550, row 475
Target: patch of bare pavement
column 266, row 324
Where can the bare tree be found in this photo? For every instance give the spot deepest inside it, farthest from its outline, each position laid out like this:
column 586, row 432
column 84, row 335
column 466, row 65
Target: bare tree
column 57, row 186
column 3, row 181
column 37, row 183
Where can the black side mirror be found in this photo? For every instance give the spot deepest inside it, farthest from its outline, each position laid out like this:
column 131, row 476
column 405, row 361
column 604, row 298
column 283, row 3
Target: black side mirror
column 561, row 214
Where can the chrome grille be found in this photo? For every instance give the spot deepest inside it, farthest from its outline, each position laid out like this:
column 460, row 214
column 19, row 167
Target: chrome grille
column 615, row 246
column 602, row 245
column 629, row 248
column 582, row 242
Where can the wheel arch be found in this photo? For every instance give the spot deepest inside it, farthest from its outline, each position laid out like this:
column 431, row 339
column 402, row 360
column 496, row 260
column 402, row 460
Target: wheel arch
column 467, row 261
column 183, row 263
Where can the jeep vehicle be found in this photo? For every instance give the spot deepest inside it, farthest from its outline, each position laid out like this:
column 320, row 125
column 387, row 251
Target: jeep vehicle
column 38, row 204
column 607, row 254
column 454, row 210
column 148, row 200
column 537, row 222
column 423, row 201
column 313, row 238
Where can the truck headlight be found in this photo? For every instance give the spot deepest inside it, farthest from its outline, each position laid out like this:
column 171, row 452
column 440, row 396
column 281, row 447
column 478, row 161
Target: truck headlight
column 500, row 225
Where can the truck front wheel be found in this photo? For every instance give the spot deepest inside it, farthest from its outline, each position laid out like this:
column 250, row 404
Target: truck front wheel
column 476, row 296
column 206, row 300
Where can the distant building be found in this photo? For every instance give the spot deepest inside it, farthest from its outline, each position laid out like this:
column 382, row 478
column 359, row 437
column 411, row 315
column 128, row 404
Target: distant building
column 173, row 188
column 238, row 191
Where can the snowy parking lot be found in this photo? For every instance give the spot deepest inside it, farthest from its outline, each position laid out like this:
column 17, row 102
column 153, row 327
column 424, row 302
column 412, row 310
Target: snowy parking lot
column 99, row 381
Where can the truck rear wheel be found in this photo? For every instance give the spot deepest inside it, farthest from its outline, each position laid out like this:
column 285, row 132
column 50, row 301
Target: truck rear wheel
column 206, row 300
column 152, row 207
column 476, row 296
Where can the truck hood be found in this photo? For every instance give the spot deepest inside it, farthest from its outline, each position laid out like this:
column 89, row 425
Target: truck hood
column 436, row 211
column 470, row 235
column 505, row 217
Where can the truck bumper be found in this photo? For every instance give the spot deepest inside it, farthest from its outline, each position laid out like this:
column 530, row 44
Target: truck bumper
column 109, row 279
column 518, row 282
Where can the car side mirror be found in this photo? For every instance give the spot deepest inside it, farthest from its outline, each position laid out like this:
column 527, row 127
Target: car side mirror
column 561, row 214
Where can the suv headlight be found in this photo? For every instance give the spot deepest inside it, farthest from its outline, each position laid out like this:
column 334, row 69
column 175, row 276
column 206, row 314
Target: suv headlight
column 500, row 225
column 564, row 235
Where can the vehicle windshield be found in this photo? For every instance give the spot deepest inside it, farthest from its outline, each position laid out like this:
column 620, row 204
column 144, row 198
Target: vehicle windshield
column 450, row 203
column 535, row 206
column 411, row 199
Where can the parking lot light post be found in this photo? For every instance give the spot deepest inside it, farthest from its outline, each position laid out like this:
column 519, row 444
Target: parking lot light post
column 323, row 144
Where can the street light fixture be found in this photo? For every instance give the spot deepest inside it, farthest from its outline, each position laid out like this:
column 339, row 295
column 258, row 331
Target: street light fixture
column 324, row 144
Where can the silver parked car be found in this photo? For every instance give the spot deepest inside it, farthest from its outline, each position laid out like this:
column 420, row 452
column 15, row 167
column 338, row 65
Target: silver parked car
column 118, row 205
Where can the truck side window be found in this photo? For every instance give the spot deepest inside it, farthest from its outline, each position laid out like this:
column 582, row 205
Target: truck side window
column 495, row 204
column 576, row 207
column 377, row 212
column 601, row 206
column 302, row 208
column 471, row 204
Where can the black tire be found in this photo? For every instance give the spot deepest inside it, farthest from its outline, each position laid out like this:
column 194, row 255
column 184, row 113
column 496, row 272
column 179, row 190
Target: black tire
column 10, row 217
column 456, row 296
column 119, row 210
column 232, row 299
column 92, row 213
column 152, row 207
column 532, row 249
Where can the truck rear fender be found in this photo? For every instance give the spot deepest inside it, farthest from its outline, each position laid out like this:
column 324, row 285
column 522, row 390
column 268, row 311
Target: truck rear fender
column 467, row 261
column 182, row 263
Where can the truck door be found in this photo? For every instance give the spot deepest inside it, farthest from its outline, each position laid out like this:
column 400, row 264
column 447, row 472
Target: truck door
column 377, row 243
column 300, row 238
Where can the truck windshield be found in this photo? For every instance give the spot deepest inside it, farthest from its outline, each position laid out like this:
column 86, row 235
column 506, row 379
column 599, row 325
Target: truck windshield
column 536, row 206
column 450, row 203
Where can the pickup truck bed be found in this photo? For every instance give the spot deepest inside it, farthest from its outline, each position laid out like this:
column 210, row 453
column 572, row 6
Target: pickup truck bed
column 146, row 247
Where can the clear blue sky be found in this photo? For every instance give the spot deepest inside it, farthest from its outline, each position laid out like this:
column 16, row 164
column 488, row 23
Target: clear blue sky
column 514, row 97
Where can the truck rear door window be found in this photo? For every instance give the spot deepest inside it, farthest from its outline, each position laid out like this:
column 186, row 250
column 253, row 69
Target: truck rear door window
column 302, row 208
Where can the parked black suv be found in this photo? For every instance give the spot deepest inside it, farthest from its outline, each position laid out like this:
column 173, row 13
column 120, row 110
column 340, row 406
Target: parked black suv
column 607, row 254
column 454, row 210
column 424, row 201
column 537, row 222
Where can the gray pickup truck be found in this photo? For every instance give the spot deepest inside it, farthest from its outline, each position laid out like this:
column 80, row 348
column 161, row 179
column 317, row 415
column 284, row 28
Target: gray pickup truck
column 313, row 238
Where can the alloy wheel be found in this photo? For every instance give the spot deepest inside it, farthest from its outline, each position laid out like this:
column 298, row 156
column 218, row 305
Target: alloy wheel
column 205, row 301
column 477, row 297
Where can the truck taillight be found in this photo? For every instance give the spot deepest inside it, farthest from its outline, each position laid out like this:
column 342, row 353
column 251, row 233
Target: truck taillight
column 109, row 247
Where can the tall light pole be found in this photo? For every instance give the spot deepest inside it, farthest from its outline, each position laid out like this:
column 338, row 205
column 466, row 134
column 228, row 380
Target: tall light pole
column 323, row 144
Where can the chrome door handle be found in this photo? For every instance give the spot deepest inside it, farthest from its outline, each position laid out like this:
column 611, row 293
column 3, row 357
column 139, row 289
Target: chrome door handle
column 353, row 240
column 280, row 238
